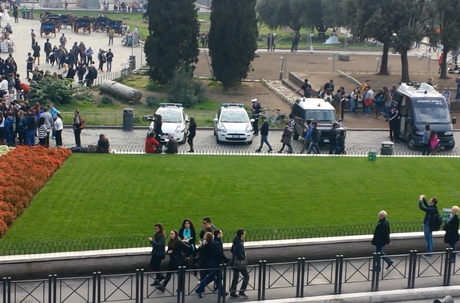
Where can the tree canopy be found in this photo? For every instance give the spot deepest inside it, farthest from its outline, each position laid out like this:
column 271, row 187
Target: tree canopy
column 173, row 38
column 232, row 39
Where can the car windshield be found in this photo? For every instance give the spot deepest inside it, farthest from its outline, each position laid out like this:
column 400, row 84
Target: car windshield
column 431, row 111
column 171, row 116
column 320, row 115
column 234, row 117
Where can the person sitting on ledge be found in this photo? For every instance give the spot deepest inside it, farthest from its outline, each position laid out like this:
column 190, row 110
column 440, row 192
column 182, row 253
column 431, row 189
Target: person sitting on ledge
column 103, row 145
column 173, row 146
column 151, row 144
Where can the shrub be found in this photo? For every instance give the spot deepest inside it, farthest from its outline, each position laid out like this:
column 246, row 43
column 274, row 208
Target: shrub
column 153, row 101
column 105, row 99
column 186, row 90
column 58, row 91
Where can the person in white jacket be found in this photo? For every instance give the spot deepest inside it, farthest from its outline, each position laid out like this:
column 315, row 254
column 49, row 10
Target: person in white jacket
column 58, row 127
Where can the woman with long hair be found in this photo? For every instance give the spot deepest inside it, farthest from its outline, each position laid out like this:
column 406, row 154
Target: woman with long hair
column 58, row 127
column 191, row 133
column 451, row 228
column 103, row 145
column 187, row 234
column 158, row 252
column 434, row 141
column 178, row 251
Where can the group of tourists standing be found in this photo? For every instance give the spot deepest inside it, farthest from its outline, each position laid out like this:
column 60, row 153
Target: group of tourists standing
column 203, row 254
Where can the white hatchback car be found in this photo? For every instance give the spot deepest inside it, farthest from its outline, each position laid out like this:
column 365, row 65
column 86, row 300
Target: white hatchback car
column 232, row 124
column 175, row 121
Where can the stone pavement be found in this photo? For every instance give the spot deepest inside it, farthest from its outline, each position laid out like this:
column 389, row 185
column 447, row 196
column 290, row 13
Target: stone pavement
column 280, row 282
column 95, row 40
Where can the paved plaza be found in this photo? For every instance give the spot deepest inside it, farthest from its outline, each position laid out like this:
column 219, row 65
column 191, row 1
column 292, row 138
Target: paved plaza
column 95, row 40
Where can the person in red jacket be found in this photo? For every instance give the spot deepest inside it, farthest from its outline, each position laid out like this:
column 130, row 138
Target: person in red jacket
column 151, row 144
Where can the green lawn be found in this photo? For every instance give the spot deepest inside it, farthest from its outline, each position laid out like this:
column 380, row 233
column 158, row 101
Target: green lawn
column 122, row 195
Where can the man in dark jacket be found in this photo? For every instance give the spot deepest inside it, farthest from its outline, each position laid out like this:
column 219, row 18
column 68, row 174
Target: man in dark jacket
column 333, row 138
column 382, row 238
column 430, row 210
column 256, row 109
column 264, row 136
column 239, row 263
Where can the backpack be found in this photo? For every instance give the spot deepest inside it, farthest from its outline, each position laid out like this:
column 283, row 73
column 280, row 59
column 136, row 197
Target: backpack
column 82, row 123
column 435, row 221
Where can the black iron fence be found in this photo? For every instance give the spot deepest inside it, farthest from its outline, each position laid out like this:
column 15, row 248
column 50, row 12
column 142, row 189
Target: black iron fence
column 266, row 280
column 260, row 234
column 297, row 150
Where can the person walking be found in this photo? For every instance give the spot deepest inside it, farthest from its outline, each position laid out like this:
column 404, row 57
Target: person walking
column 256, row 109
column 178, row 251
column 111, row 35
column 36, row 49
column 15, row 14
column 63, row 41
column 158, row 252
column 32, row 36
column 382, row 238
column 314, row 144
column 78, row 124
column 430, row 210
column 191, row 133
column 333, row 138
column 286, row 139
column 451, row 228
column 29, row 65
column 264, row 136
column 307, row 137
column 306, row 88
column 239, row 265
column 47, row 48
column 58, row 127
column 109, row 57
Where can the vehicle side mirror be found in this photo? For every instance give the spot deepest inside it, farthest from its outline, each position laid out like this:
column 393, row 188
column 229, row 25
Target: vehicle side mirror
column 454, row 120
column 187, row 121
column 215, row 120
column 252, row 120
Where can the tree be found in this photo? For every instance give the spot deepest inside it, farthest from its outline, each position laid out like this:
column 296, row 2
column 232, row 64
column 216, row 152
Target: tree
column 409, row 19
column 444, row 15
column 232, row 39
column 278, row 13
column 173, row 38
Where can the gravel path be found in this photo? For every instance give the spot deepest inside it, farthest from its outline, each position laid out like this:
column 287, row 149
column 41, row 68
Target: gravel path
column 22, row 42
column 357, row 141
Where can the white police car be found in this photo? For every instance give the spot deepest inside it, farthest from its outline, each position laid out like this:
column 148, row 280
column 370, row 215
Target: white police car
column 175, row 121
column 232, row 124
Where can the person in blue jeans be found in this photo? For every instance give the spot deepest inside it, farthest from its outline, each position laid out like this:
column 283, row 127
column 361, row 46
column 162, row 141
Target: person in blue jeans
column 430, row 210
column 314, row 144
column 264, row 136
column 30, row 128
column 382, row 238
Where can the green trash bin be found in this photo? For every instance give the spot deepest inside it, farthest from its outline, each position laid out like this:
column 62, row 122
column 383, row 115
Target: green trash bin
column 372, row 156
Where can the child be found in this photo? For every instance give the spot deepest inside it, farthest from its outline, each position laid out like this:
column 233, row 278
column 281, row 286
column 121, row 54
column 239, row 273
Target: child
column 286, row 139
column 434, row 142
column 42, row 132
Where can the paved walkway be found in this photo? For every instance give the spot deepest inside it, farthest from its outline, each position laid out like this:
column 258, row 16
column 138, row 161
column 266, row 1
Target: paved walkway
column 281, row 281
column 99, row 40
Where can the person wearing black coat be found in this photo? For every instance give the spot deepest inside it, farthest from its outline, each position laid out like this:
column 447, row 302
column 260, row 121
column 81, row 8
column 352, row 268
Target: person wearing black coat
column 430, row 210
column 212, row 256
column 178, row 252
column 333, row 138
column 451, row 227
column 240, row 265
column 382, row 238
column 158, row 252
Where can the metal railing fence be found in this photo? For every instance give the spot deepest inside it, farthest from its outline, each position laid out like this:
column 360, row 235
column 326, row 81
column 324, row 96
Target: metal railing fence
column 266, row 280
column 136, row 241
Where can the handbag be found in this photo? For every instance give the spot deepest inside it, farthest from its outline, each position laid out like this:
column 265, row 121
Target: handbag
column 240, row 264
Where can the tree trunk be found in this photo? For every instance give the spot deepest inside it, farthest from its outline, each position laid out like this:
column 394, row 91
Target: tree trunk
column 405, row 78
column 384, row 62
column 444, row 64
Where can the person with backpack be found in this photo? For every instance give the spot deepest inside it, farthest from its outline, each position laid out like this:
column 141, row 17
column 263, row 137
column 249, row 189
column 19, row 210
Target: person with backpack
column 78, row 125
column 431, row 222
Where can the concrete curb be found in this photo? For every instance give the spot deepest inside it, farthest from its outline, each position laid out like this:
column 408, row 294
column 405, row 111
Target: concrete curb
column 382, row 296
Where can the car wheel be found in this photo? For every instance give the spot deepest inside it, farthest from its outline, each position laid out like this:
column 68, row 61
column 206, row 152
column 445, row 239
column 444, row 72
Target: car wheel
column 217, row 140
column 411, row 143
column 296, row 136
column 185, row 138
column 215, row 133
column 249, row 142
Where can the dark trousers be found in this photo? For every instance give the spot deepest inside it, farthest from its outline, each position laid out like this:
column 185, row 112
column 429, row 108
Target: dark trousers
column 30, row 137
column 394, row 132
column 212, row 275
column 255, row 126
column 58, row 135
column 155, row 263
column 172, row 266
column 77, row 133
column 22, row 137
column 289, row 148
column 236, row 276
column 47, row 139
column 264, row 139
column 47, row 57
column 426, row 149
column 101, row 65
column 42, row 141
column 190, row 142
column 10, row 138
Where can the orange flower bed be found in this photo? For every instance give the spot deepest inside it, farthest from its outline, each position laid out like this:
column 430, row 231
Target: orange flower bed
column 25, row 170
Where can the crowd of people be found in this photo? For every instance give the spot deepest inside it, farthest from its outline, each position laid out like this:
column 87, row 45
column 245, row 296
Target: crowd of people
column 204, row 251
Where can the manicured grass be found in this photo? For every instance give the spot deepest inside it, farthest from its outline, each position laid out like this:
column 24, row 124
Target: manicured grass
column 117, row 195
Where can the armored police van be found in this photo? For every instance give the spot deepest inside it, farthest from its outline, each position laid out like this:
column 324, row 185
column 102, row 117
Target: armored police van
column 314, row 109
column 421, row 106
